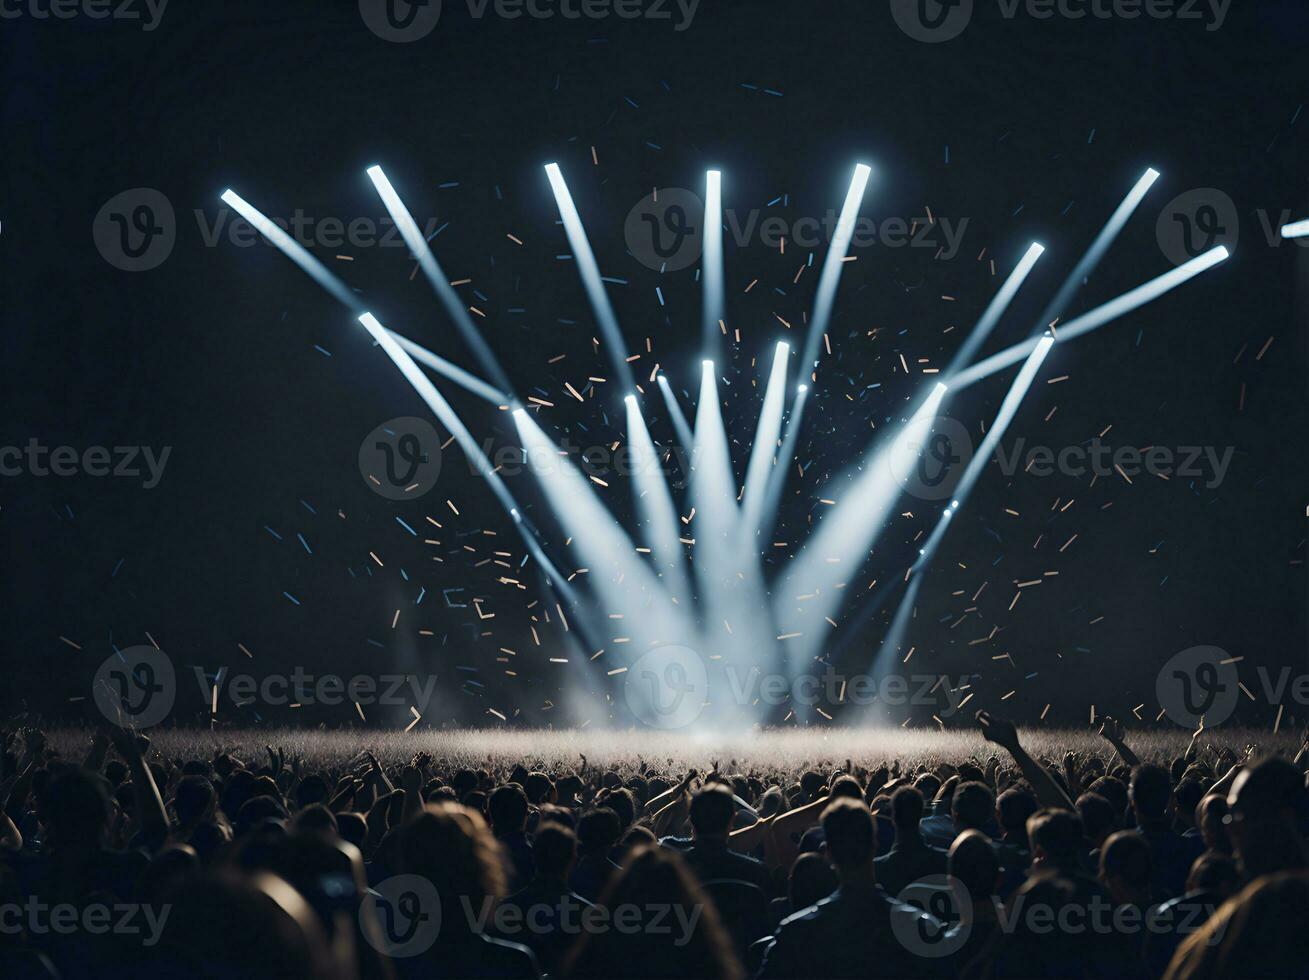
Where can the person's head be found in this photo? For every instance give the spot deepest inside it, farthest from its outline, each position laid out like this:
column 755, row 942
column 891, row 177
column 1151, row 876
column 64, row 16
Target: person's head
column 194, row 800
column 1214, row 874
column 973, row 861
column 539, row 788
column 846, row 786
column 623, row 803
column 353, row 828
column 1251, row 935
column 315, row 819
column 850, row 837
column 1211, row 819
column 636, row 836
column 1150, row 791
column 554, row 848
column 906, row 811
column 1125, row 867
column 1264, row 796
column 451, row 846
column 598, row 830
column 257, row 811
column 811, row 784
column 312, row 789
column 1012, row 808
column 654, row 881
column 1097, row 815
column 1056, row 838
column 463, row 782
column 811, row 880
column 927, row 783
column 1187, row 795
column 712, row 812
column 75, row 809
column 507, row 808
column 972, row 807
column 256, row 927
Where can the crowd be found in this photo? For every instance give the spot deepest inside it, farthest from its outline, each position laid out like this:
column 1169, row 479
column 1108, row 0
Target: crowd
column 126, row 863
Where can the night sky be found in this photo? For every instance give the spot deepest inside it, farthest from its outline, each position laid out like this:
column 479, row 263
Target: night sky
column 264, row 387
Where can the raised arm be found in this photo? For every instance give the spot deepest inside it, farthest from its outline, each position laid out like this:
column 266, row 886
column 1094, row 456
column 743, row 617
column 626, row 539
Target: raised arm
column 1111, row 730
column 1002, row 732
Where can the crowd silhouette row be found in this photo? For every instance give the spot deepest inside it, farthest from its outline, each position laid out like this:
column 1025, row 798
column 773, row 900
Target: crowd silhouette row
column 126, row 863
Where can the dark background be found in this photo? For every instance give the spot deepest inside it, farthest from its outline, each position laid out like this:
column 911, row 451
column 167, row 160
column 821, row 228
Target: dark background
column 212, row 353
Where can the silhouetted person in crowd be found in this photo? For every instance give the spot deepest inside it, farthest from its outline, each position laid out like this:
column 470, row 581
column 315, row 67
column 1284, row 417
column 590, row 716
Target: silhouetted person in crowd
column 910, row 857
column 673, row 930
column 849, row 933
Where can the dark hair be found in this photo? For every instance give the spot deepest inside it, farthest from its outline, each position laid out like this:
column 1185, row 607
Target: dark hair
column 538, row 788
column 1150, row 790
column 850, row 833
column 812, row 879
column 598, row 829
column 507, row 808
column 655, row 878
column 1126, row 856
column 553, row 849
column 1097, row 813
column 1014, row 806
column 906, row 809
column 974, row 861
column 1058, row 833
column 846, row 786
column 973, row 806
column 75, row 806
column 712, row 810
column 1213, row 872
column 193, row 798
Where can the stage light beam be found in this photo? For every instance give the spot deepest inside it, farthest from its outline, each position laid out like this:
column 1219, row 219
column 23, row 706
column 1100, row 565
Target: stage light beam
column 1127, row 303
column 764, row 449
column 591, row 278
column 450, row 419
column 711, row 261
column 829, row 280
column 1299, row 229
column 301, row 256
column 436, row 277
